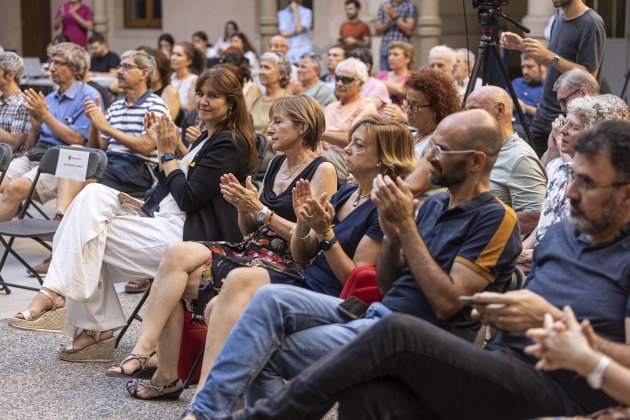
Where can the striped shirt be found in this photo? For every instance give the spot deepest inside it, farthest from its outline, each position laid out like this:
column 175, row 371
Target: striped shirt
column 14, row 116
column 129, row 118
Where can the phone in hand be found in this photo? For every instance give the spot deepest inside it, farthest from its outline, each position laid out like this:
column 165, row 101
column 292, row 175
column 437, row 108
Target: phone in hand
column 353, row 307
column 467, row 300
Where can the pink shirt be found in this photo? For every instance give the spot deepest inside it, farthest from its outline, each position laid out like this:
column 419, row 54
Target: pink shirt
column 342, row 117
column 384, row 75
column 374, row 88
column 71, row 27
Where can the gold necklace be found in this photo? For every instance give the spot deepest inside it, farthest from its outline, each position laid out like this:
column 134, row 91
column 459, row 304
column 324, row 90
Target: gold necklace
column 359, row 198
column 296, row 167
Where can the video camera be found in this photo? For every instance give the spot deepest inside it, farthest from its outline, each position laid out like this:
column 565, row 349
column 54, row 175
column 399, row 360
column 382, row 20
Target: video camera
column 489, row 3
column 489, row 11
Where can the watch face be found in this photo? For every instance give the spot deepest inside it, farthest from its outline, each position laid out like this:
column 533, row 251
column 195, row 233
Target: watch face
column 260, row 216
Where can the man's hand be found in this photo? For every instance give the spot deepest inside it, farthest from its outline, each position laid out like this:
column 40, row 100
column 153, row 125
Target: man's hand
column 515, row 311
column 94, row 112
column 511, row 41
column 36, row 104
column 395, row 203
column 536, row 50
column 390, row 11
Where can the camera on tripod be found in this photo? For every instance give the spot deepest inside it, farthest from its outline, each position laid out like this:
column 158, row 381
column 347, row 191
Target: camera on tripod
column 488, row 3
column 489, row 11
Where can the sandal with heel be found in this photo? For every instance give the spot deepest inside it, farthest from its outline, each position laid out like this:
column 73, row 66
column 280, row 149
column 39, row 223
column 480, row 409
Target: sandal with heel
column 158, row 389
column 49, row 320
column 99, row 351
column 142, row 372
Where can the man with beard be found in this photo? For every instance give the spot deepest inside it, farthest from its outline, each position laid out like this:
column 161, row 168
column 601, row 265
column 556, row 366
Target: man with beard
column 354, row 33
column 462, row 242
column 529, row 88
column 577, row 40
column 411, row 369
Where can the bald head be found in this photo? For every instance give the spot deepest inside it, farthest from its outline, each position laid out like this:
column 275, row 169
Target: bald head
column 278, row 43
column 495, row 101
column 473, row 129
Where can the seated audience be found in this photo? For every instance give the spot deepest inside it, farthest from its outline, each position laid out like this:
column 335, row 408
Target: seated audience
column 56, row 119
column 461, row 242
column 336, row 55
column 411, row 369
column 166, row 43
column 518, row 178
column 266, row 221
column 582, row 114
column 444, row 59
column 308, row 71
column 240, row 41
column 186, row 62
column 15, row 123
column 250, row 88
column 341, row 234
column 92, row 247
column 280, row 44
column 341, row 115
column 373, row 89
column 200, row 41
column 528, row 88
column 103, row 62
column 161, row 83
column 400, row 59
column 223, row 42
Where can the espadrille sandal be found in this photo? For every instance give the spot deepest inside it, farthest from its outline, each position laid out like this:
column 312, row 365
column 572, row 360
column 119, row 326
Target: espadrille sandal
column 158, row 389
column 49, row 320
column 143, row 371
column 100, row 351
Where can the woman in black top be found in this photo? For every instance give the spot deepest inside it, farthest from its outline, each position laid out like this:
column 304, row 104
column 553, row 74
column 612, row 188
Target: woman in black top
column 193, row 270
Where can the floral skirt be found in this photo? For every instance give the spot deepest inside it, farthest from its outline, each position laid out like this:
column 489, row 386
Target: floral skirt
column 263, row 248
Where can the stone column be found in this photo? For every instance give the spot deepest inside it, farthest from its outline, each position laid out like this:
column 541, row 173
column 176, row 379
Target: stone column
column 268, row 22
column 538, row 14
column 101, row 20
column 428, row 29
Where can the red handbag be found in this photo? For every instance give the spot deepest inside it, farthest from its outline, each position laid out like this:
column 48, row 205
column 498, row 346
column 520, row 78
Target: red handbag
column 362, row 284
column 193, row 342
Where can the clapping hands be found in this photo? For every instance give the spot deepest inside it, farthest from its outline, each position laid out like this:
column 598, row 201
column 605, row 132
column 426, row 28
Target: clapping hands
column 244, row 198
column 317, row 213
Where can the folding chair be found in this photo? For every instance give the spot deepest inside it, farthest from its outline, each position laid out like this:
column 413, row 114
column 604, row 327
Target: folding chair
column 261, row 148
column 40, row 230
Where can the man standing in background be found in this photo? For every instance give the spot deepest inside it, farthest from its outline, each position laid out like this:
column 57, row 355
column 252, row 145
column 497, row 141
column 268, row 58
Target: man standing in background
column 395, row 20
column 294, row 22
column 354, row 33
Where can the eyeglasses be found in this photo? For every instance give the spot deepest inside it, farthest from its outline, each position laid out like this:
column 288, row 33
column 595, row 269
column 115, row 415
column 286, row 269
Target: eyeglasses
column 563, row 101
column 413, row 106
column 570, row 126
column 585, row 184
column 57, row 63
column 344, row 79
column 439, row 150
column 126, row 66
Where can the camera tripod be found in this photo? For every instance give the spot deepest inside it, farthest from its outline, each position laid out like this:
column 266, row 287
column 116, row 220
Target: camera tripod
column 488, row 47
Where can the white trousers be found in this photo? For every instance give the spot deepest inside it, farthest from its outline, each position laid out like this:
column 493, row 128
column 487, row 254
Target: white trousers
column 97, row 244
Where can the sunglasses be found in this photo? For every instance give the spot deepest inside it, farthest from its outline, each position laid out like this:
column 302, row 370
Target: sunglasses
column 345, row 79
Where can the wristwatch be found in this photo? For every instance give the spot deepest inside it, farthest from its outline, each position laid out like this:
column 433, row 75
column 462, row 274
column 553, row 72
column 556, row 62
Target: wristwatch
column 326, row 244
column 166, row 157
column 595, row 379
column 263, row 214
column 554, row 61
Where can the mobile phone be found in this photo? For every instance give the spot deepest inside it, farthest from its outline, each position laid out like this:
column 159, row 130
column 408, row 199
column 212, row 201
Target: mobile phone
column 353, row 307
column 467, row 300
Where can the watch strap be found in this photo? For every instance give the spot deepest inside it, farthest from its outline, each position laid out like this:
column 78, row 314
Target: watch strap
column 595, row 379
column 554, row 61
column 325, row 245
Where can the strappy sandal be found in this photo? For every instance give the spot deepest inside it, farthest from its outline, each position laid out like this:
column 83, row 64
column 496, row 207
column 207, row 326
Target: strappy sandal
column 100, row 351
column 141, row 372
column 49, row 320
column 158, row 389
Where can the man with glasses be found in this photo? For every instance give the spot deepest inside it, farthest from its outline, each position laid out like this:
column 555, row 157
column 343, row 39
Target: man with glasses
column 462, row 241
column 56, row 119
column 577, row 41
column 309, row 67
column 350, row 75
column 517, row 178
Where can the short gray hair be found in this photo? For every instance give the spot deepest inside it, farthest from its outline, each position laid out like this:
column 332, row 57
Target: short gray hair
column 615, row 102
column 468, row 55
column 11, row 62
column 592, row 110
column 445, row 48
column 143, row 60
column 282, row 65
column 356, row 65
column 314, row 59
column 575, row 79
column 74, row 55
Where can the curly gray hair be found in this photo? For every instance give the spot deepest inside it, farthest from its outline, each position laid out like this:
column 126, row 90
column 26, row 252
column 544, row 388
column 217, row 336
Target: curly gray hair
column 11, row 62
column 592, row 110
column 282, row 65
column 74, row 55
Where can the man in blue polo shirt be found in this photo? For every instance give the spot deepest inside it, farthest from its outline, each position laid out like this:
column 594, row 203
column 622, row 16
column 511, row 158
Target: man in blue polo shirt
column 529, row 88
column 409, row 368
column 57, row 119
column 462, row 242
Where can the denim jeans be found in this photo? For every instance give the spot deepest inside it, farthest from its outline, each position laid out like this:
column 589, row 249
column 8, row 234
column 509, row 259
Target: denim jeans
column 283, row 330
column 449, row 377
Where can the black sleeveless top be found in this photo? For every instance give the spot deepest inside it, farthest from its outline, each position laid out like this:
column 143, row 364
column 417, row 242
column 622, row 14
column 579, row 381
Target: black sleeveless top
column 282, row 204
column 159, row 91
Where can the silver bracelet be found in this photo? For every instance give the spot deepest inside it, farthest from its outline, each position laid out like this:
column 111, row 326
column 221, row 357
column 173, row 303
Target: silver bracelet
column 299, row 239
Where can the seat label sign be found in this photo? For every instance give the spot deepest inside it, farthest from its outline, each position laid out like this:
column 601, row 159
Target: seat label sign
column 72, row 164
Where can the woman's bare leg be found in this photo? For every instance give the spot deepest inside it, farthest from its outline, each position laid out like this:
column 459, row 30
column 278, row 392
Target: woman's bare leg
column 238, row 289
column 172, row 282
